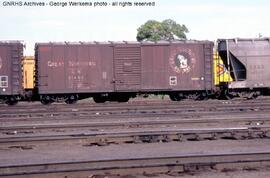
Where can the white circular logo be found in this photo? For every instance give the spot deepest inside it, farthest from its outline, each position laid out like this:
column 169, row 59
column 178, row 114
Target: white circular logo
column 182, row 60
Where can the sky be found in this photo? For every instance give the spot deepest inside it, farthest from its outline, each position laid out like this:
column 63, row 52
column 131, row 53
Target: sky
column 205, row 19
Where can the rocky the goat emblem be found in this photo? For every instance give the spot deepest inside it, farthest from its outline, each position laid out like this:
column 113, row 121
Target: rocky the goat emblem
column 182, row 61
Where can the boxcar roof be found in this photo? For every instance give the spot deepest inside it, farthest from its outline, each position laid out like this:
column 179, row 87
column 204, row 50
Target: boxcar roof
column 126, row 42
column 246, row 39
column 10, row 42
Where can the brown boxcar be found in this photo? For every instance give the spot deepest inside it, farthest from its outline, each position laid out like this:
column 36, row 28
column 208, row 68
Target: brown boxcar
column 11, row 53
column 247, row 61
column 65, row 70
column 112, row 70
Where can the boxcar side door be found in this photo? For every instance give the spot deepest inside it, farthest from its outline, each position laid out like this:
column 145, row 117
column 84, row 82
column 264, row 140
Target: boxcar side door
column 127, row 67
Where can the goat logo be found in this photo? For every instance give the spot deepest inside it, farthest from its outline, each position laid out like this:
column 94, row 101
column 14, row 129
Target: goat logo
column 182, row 61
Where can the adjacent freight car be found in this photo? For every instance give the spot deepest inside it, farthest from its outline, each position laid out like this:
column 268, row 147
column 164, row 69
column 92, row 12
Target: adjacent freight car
column 11, row 53
column 247, row 61
column 116, row 71
column 28, row 69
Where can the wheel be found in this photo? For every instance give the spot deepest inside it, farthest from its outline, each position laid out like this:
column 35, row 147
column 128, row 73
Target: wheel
column 45, row 99
column 225, row 95
column 172, row 97
column 176, row 97
column 71, row 99
column 99, row 99
column 11, row 101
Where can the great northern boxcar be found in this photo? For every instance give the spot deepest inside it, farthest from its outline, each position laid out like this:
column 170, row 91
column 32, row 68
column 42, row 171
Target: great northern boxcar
column 120, row 70
column 10, row 71
column 247, row 61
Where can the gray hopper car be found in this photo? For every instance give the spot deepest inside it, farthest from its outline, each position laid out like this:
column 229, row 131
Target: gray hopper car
column 247, row 61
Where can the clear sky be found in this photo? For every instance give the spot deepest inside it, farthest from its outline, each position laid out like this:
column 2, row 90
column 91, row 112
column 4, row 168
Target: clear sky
column 205, row 19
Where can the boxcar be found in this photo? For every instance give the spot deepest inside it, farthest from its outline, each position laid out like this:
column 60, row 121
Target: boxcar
column 248, row 61
column 11, row 53
column 120, row 70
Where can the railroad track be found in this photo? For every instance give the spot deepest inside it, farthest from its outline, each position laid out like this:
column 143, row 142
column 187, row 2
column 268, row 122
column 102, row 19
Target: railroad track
column 135, row 130
column 230, row 120
column 172, row 108
column 133, row 136
column 35, row 106
column 160, row 159
column 146, row 165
